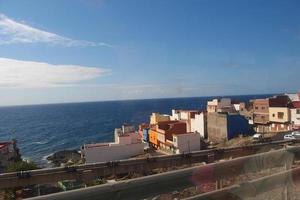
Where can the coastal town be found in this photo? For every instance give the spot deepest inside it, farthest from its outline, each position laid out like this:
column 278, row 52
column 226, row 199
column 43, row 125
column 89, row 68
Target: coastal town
column 273, row 118
column 225, row 123
column 192, row 130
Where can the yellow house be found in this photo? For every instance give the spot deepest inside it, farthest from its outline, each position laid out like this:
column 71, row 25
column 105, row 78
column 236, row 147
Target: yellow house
column 156, row 117
column 279, row 118
column 279, row 114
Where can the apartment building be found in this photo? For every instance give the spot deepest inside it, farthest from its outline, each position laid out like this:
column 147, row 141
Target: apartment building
column 261, row 113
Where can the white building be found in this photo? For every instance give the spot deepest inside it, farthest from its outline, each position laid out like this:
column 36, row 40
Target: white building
column 195, row 120
column 294, row 96
column 236, row 106
column 175, row 115
column 126, row 145
column 198, row 124
column 295, row 115
column 187, row 142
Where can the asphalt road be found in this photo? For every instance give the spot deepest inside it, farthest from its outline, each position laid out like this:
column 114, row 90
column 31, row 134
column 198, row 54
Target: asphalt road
column 280, row 135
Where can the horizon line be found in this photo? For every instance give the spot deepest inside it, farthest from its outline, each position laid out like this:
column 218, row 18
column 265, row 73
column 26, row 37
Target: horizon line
column 134, row 99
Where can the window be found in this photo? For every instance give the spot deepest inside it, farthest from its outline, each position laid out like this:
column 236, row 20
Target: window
column 280, row 115
column 273, row 115
column 256, row 107
column 298, row 111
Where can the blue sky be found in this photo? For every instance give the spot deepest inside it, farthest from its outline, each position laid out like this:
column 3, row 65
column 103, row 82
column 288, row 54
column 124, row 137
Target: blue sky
column 69, row 51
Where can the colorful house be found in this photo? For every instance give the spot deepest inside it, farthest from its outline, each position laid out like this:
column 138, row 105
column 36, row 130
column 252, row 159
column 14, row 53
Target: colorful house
column 160, row 134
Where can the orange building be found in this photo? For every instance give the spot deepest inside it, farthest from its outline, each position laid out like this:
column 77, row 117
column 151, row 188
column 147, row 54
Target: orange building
column 163, row 131
column 153, row 138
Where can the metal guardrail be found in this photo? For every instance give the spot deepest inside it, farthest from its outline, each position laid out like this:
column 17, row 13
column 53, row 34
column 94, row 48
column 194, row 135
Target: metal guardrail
column 90, row 172
column 157, row 184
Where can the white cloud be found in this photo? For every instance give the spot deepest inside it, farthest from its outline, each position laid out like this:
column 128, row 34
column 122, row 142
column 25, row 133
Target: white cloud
column 12, row 32
column 30, row 74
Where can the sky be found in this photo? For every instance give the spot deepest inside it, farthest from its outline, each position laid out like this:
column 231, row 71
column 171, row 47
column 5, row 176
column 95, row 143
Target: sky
column 95, row 50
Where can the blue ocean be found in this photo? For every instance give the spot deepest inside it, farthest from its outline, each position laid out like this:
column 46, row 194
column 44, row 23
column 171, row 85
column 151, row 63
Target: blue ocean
column 41, row 130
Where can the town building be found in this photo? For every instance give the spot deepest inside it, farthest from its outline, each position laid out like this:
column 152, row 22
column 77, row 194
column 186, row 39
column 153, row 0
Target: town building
column 9, row 153
column 219, row 105
column 261, row 113
column 236, row 104
column 294, row 96
column 279, row 118
column 194, row 119
column 156, row 117
column 295, row 115
column 222, row 127
column 246, row 109
column 186, row 142
column 161, row 135
column 185, row 116
column 127, row 144
column 199, row 124
column 141, row 130
column 172, row 137
column 146, row 134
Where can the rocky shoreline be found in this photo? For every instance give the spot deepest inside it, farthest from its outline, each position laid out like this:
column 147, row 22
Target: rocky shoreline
column 65, row 157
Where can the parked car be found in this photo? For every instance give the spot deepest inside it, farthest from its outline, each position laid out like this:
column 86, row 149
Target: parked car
column 296, row 133
column 257, row 137
column 289, row 137
column 260, row 138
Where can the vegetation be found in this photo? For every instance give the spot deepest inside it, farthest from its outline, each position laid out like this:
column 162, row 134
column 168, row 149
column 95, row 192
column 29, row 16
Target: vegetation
column 21, row 166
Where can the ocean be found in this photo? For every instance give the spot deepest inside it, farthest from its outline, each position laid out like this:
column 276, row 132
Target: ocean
column 41, row 130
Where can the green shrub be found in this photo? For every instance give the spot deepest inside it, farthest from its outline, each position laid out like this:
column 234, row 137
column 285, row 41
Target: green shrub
column 21, row 166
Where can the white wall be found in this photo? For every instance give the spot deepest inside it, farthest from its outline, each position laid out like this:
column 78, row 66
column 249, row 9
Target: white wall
column 187, row 142
column 293, row 97
column 161, row 137
column 295, row 117
column 175, row 116
column 110, row 153
column 198, row 124
column 236, row 107
column 184, row 115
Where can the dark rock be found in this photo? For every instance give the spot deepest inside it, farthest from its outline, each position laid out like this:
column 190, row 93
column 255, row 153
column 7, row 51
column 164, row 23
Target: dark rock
column 65, row 156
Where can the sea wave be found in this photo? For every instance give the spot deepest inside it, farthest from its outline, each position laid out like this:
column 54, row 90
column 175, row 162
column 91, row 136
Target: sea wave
column 41, row 142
